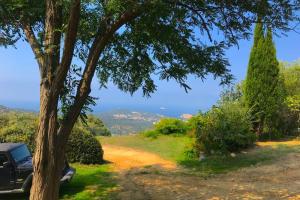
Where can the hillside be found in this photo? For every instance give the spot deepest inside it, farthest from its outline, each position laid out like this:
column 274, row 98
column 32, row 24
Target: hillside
column 121, row 122
column 4, row 109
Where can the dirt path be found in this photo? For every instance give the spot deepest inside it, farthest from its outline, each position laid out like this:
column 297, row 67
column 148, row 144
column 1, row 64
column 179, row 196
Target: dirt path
column 145, row 176
column 126, row 158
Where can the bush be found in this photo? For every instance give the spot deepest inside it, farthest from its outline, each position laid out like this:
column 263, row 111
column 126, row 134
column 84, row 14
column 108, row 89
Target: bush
column 169, row 126
column 18, row 135
column 193, row 123
column 18, row 128
column 224, row 129
column 84, row 148
column 150, row 133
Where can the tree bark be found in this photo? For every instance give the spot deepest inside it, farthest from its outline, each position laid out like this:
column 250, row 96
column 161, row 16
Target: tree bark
column 47, row 161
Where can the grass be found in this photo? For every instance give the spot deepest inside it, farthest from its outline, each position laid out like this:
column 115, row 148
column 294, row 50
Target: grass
column 173, row 148
column 168, row 147
column 222, row 164
column 90, row 182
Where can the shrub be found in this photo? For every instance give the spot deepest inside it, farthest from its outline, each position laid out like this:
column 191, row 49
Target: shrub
column 17, row 134
column 150, row 133
column 18, row 128
column 224, row 129
column 169, row 126
column 193, row 123
column 84, row 148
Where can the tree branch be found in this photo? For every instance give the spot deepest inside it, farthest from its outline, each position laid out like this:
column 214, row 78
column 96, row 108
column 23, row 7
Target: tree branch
column 53, row 33
column 35, row 46
column 196, row 12
column 69, row 45
column 84, row 89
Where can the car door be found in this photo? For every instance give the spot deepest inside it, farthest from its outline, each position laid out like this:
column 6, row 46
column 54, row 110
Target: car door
column 5, row 173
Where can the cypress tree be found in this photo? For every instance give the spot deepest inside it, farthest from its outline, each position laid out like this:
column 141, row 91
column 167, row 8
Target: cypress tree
column 263, row 90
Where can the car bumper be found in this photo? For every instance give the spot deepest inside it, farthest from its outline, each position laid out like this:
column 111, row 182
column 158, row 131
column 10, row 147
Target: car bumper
column 68, row 176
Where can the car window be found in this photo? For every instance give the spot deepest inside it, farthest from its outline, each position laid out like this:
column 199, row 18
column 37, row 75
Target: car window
column 3, row 159
column 20, row 153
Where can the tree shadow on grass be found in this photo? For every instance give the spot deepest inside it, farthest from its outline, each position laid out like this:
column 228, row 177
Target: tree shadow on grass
column 90, row 181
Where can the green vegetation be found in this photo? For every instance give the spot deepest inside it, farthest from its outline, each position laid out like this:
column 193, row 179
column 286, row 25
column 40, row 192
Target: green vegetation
column 291, row 75
column 224, row 129
column 94, row 125
column 217, row 164
column 264, row 93
column 90, row 182
column 84, row 148
column 168, row 147
column 18, row 127
column 167, row 126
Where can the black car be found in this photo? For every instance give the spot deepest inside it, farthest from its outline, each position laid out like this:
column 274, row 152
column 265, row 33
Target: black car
column 16, row 169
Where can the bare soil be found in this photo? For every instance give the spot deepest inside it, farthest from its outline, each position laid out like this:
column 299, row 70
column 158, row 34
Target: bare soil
column 146, row 176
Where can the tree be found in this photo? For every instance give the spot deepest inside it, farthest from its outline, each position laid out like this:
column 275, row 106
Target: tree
column 122, row 41
column 291, row 75
column 264, row 88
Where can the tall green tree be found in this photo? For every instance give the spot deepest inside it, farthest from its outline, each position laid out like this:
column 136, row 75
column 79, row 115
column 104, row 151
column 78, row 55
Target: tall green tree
column 125, row 42
column 264, row 93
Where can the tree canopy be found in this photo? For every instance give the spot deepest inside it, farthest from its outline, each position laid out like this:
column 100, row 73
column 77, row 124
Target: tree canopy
column 170, row 38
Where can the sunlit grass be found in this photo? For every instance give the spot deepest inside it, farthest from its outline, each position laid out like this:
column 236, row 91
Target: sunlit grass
column 90, row 182
column 168, row 147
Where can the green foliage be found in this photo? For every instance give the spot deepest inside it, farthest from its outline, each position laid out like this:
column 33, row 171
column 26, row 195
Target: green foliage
column 150, row 133
column 233, row 94
column 21, row 128
column 293, row 102
column 84, row 148
column 224, row 129
column 264, row 89
column 291, row 110
column 291, row 74
column 168, row 126
column 94, row 125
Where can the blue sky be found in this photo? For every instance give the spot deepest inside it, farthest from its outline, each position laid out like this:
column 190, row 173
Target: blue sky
column 19, row 82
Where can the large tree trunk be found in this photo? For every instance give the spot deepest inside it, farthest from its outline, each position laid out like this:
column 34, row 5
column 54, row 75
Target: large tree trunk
column 48, row 160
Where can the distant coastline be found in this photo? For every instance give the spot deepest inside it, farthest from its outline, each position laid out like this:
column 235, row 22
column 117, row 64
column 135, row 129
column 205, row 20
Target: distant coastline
column 168, row 111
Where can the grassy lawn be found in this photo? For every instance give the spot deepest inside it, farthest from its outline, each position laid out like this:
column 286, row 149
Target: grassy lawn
column 90, row 182
column 223, row 164
column 173, row 148
column 168, row 147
